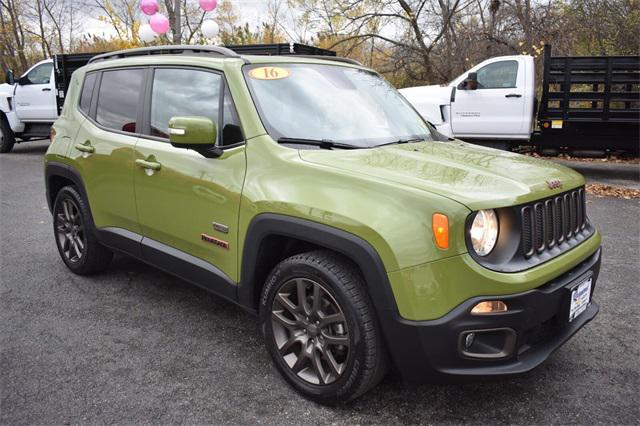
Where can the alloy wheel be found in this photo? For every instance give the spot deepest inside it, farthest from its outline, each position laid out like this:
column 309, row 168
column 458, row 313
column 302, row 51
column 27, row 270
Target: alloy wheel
column 70, row 231
column 310, row 331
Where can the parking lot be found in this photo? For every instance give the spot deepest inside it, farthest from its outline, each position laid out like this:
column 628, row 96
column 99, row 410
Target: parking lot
column 135, row 345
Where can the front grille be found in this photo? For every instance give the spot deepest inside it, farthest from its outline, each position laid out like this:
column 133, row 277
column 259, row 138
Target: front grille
column 552, row 222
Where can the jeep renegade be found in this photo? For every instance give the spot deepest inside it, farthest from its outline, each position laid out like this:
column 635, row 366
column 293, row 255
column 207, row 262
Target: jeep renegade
column 309, row 192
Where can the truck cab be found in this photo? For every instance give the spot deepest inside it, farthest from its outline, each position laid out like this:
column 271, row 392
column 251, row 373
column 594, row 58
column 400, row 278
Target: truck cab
column 35, row 94
column 492, row 101
column 28, row 106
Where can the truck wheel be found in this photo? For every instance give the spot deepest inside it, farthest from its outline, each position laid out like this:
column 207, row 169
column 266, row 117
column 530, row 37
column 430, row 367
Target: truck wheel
column 7, row 139
column 320, row 328
column 76, row 242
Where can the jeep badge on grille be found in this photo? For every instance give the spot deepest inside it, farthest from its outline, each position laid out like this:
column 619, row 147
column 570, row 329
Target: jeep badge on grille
column 554, row 184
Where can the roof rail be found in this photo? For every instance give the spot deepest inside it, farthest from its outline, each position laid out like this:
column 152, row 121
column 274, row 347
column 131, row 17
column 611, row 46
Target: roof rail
column 167, row 50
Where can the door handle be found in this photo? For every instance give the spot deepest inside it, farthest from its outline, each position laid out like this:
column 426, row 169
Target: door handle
column 150, row 165
column 86, row 147
column 513, row 95
column 46, row 90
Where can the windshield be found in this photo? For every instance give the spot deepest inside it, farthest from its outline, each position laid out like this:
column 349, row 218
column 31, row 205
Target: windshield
column 339, row 104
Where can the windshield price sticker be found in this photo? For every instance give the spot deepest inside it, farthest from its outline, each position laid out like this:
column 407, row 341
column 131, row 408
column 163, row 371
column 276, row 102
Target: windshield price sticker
column 269, row 73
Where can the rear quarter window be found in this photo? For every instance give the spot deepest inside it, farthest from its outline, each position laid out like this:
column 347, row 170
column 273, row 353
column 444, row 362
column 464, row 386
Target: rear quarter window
column 87, row 93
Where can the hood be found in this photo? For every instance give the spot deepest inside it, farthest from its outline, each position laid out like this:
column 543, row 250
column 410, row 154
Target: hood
column 6, row 90
column 427, row 100
column 475, row 176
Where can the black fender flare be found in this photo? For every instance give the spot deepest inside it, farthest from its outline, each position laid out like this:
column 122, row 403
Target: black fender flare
column 351, row 246
column 52, row 169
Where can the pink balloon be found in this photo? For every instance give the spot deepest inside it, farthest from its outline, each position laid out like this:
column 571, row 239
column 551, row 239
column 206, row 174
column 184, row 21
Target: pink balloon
column 159, row 23
column 149, row 7
column 208, row 5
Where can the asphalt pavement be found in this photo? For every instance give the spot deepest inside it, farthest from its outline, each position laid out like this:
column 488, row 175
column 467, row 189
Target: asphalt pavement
column 609, row 173
column 134, row 345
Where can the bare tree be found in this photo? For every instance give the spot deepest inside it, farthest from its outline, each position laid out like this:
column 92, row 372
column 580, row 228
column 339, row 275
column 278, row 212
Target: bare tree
column 122, row 15
column 15, row 29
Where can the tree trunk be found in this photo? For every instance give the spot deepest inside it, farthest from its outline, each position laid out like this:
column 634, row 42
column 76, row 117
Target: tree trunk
column 43, row 39
column 18, row 34
column 173, row 12
column 57, row 26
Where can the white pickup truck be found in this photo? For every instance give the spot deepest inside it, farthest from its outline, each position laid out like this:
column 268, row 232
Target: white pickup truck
column 30, row 104
column 492, row 103
column 589, row 105
column 28, row 107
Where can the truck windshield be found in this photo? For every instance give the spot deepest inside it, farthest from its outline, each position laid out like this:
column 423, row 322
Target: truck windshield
column 332, row 103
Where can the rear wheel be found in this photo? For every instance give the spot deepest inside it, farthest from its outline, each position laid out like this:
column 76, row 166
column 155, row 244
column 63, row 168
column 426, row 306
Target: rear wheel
column 320, row 328
column 77, row 244
column 7, row 138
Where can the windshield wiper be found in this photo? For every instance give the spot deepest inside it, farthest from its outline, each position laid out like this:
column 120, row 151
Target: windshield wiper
column 322, row 143
column 402, row 141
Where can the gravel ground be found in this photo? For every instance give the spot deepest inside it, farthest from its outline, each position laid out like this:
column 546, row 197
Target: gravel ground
column 134, row 345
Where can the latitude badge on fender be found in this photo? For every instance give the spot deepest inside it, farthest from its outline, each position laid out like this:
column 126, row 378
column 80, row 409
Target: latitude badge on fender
column 220, row 228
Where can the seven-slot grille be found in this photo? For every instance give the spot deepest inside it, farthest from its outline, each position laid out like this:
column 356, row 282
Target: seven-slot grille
column 551, row 222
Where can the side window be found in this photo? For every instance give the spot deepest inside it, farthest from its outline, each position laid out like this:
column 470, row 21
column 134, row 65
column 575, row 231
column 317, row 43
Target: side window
column 183, row 92
column 87, row 92
column 40, row 74
column 118, row 99
column 231, row 130
column 498, row 75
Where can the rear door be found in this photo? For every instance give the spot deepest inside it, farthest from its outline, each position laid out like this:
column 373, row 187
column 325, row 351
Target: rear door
column 35, row 94
column 191, row 203
column 103, row 147
column 496, row 109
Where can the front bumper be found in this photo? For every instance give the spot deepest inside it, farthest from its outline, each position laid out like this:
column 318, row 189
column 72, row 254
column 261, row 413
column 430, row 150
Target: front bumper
column 534, row 327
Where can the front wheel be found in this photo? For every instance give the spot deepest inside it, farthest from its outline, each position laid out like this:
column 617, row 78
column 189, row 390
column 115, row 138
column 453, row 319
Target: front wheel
column 320, row 327
column 7, row 138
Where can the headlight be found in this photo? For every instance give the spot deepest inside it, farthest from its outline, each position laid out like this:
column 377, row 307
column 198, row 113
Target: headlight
column 484, row 232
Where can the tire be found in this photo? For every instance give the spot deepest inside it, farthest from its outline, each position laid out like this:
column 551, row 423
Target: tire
column 76, row 241
column 331, row 364
column 7, row 138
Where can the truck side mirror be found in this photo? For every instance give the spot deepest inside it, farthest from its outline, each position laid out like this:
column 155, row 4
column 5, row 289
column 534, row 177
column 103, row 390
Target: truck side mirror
column 9, row 78
column 471, row 81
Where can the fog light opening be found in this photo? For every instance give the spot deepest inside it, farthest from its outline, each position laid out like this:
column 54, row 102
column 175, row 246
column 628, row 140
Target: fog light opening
column 489, row 307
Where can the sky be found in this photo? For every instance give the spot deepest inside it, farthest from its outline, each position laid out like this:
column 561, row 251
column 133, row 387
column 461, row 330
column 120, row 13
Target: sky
column 247, row 10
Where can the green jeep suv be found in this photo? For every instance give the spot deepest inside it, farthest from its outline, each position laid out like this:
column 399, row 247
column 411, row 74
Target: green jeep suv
column 310, row 193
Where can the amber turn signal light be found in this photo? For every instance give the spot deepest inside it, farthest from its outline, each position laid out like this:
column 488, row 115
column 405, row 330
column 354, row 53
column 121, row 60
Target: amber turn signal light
column 489, row 307
column 440, row 226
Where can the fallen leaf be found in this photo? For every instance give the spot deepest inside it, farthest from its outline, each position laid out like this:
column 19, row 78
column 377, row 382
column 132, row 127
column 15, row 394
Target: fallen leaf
column 603, row 190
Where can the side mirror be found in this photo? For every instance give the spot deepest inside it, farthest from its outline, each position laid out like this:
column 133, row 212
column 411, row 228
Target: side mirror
column 9, row 78
column 196, row 133
column 23, row 81
column 471, row 82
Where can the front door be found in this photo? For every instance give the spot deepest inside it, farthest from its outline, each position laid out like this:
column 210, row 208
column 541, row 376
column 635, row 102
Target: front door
column 35, row 94
column 191, row 203
column 105, row 144
column 496, row 108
